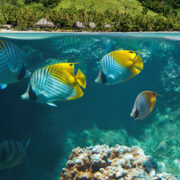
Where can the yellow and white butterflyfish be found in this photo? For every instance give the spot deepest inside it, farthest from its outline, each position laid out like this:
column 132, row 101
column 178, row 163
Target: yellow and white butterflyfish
column 55, row 82
column 144, row 104
column 119, row 66
column 12, row 67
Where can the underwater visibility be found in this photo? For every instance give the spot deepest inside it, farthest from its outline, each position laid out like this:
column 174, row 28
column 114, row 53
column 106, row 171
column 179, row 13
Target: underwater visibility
column 67, row 97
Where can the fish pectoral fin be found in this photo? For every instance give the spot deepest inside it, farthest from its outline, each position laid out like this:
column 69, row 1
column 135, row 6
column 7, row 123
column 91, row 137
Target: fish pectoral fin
column 3, row 86
column 111, row 76
column 51, row 104
column 81, row 79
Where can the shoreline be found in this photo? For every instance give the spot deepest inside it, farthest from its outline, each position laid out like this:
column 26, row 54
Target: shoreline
column 82, row 32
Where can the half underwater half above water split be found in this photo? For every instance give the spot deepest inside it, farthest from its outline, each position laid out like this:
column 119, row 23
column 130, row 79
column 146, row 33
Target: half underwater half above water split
column 102, row 115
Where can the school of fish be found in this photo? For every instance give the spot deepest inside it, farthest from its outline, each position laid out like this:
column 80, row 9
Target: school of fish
column 58, row 82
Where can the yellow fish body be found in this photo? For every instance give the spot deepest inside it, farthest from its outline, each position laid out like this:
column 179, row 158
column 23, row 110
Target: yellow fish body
column 54, row 83
column 144, row 104
column 119, row 66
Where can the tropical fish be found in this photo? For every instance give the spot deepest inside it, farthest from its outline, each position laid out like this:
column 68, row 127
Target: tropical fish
column 12, row 153
column 119, row 66
column 144, row 104
column 12, row 67
column 54, row 83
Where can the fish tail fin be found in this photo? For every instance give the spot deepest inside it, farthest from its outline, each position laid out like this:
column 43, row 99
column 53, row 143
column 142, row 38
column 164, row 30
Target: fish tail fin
column 3, row 86
column 26, row 143
column 81, row 79
column 138, row 62
column 78, row 91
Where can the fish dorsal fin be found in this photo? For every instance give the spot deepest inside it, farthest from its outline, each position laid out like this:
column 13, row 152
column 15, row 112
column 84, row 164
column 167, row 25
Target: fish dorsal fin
column 63, row 66
column 81, row 79
column 64, row 72
column 123, row 57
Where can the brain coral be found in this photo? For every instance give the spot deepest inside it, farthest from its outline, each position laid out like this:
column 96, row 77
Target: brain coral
column 103, row 163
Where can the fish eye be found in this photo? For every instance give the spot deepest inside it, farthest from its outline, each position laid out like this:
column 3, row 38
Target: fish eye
column 70, row 64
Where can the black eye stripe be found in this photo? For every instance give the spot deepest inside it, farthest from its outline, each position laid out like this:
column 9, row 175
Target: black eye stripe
column 136, row 114
column 32, row 94
column 22, row 73
column 103, row 78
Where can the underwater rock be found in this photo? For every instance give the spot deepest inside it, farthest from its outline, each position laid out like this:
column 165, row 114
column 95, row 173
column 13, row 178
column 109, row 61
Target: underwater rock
column 120, row 162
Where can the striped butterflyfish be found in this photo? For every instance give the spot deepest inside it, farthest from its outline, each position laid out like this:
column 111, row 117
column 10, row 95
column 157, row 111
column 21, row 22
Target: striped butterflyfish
column 119, row 66
column 56, row 82
column 12, row 67
column 12, row 153
column 144, row 104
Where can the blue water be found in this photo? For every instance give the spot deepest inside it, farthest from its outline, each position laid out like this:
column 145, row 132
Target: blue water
column 102, row 116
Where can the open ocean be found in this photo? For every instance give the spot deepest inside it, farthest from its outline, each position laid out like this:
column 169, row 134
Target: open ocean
column 102, row 115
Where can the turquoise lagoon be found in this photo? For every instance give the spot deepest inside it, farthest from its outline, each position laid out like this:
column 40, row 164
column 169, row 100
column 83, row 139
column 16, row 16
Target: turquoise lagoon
column 102, row 116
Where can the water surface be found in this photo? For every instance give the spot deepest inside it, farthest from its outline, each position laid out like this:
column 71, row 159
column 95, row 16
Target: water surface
column 102, row 116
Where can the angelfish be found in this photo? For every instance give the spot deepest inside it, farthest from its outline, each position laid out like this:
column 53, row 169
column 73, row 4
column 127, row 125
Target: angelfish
column 144, row 104
column 12, row 67
column 56, row 82
column 119, row 66
column 12, row 153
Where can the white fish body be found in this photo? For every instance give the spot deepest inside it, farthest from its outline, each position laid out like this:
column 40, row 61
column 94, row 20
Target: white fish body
column 53, row 83
column 119, row 66
column 47, row 88
column 144, row 104
column 140, row 109
column 113, row 72
column 12, row 66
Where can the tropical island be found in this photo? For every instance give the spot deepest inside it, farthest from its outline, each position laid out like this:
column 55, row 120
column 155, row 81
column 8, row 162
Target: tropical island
column 90, row 15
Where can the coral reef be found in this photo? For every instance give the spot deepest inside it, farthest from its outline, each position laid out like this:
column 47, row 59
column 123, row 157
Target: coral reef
column 170, row 76
column 161, row 139
column 120, row 162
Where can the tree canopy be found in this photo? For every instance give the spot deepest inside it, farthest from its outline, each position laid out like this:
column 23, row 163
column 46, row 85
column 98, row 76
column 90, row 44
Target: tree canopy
column 155, row 15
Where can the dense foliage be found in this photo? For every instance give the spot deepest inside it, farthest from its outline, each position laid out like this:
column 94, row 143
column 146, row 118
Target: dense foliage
column 23, row 14
column 167, row 7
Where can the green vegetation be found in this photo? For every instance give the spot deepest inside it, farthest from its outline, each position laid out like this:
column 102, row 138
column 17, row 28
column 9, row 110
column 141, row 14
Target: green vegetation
column 122, row 15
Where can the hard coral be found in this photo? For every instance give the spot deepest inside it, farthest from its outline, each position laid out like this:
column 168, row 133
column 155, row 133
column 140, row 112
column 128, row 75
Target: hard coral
column 103, row 163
